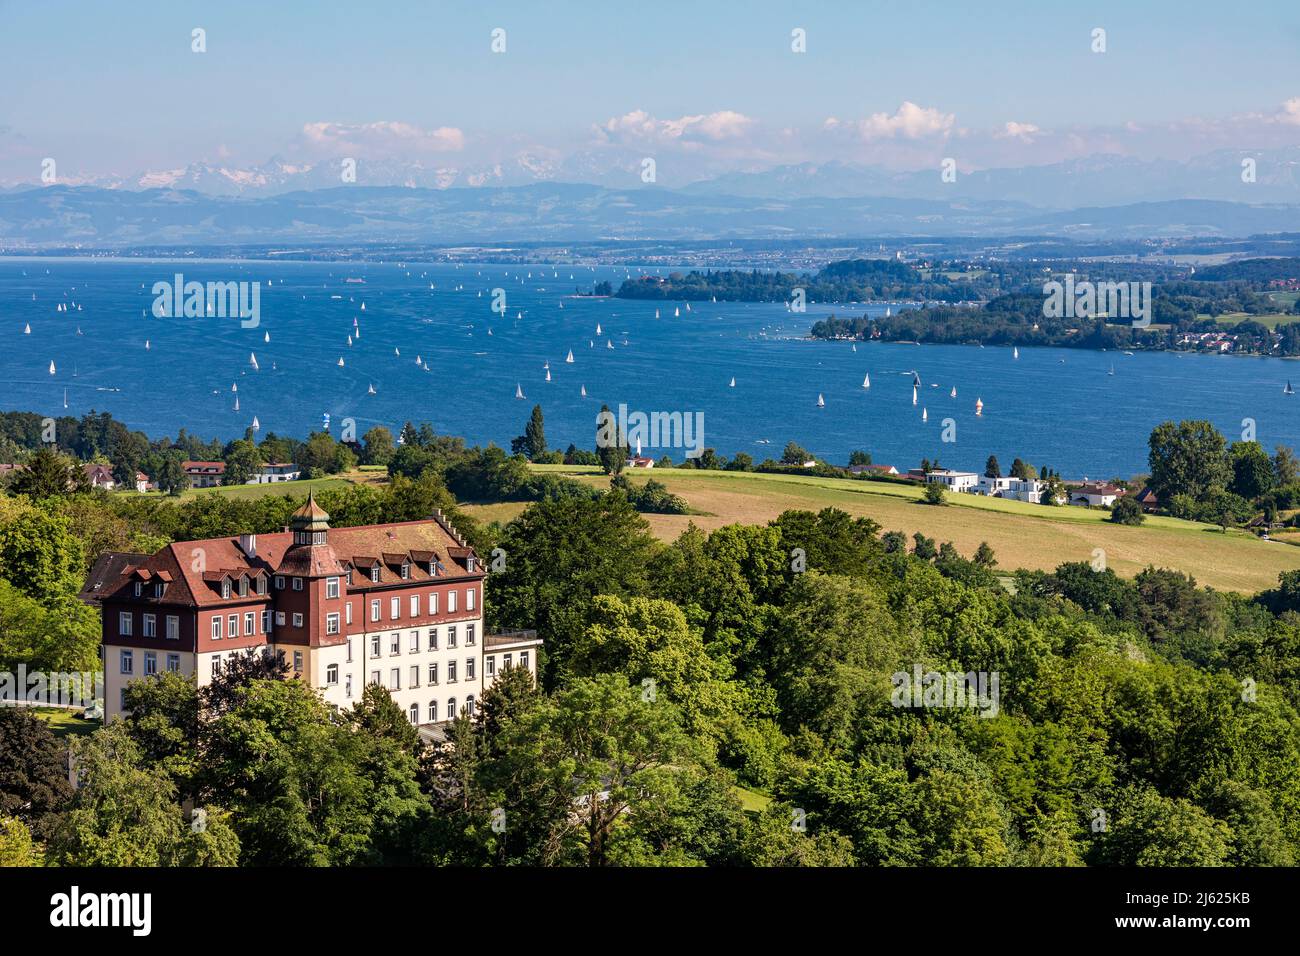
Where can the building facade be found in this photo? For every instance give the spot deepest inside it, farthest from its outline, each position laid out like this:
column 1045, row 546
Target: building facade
column 399, row 605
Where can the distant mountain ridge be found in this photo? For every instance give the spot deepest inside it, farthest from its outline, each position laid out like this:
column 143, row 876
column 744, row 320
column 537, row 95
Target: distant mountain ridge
column 552, row 211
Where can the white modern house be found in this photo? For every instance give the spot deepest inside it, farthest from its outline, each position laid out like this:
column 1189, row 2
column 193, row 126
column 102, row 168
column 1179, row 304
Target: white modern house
column 953, row 480
column 1021, row 489
column 276, row 471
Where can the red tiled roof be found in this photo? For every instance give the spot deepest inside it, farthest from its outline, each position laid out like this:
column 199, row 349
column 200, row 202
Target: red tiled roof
column 196, row 567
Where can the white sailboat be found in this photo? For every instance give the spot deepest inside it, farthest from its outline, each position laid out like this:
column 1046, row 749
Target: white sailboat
column 953, row 393
column 925, row 416
column 146, row 345
column 913, row 394
column 266, row 336
column 27, row 329
column 65, row 398
column 598, row 332
column 821, row 402
column 979, row 406
column 548, row 374
column 418, row 360
column 866, row 381
column 855, row 346
column 656, row 313
column 584, row 391
column 51, row 366
column 397, row 352
column 257, row 426
column 370, row 390
column 677, row 313
column 252, row 360
column 349, row 341
column 236, row 403
column 569, row 358
column 340, row 361
column 1015, row 352
column 732, row 384
column 609, row 344
column 519, row 390
column 234, row 386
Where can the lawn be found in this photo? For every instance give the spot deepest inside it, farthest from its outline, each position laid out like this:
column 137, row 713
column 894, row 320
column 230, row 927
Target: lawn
column 294, row 488
column 65, row 722
column 1022, row 535
column 1271, row 321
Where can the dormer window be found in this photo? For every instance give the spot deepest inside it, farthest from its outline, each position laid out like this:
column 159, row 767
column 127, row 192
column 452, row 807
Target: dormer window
column 261, row 585
column 406, row 570
column 374, row 573
column 243, row 587
column 349, row 577
column 433, row 568
column 138, row 588
column 158, row 589
column 225, row 588
column 318, row 537
column 469, row 563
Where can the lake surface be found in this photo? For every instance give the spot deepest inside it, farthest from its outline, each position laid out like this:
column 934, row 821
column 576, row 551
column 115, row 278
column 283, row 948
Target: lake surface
column 1054, row 407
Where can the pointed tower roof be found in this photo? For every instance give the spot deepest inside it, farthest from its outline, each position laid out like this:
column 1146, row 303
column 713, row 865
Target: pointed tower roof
column 311, row 516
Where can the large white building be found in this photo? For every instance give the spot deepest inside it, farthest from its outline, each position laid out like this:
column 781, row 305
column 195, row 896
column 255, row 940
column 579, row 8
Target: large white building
column 399, row 605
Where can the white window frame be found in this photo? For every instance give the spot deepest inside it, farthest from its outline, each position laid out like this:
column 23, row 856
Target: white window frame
column 331, row 587
column 332, row 674
column 216, row 626
column 297, row 619
column 297, row 584
column 332, row 623
column 125, row 662
column 148, row 625
column 394, row 608
column 415, row 605
column 125, row 623
column 173, row 625
column 451, row 602
column 470, row 599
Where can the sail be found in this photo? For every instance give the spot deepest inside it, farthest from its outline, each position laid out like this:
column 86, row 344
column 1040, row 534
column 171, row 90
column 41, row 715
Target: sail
column 519, row 391
column 866, row 381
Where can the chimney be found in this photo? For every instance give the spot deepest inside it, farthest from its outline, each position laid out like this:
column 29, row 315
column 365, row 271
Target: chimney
column 248, row 544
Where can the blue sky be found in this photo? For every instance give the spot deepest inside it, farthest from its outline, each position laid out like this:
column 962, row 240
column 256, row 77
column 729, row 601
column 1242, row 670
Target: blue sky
column 114, row 87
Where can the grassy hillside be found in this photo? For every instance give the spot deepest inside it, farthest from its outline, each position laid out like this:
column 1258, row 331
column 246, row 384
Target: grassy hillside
column 1022, row 535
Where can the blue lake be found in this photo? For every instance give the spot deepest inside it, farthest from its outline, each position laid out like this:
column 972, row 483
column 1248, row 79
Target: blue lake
column 1056, row 407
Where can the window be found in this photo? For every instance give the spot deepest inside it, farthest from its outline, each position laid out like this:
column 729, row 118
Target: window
column 297, row 662
column 415, row 713
column 395, row 679
column 173, row 627
column 150, row 663
column 148, row 625
column 394, row 608
column 266, row 621
column 225, row 589
column 469, row 635
column 261, row 584
column 158, row 589
column 451, row 708
column 297, row 584
column 469, row 668
column 433, row 673
column 232, row 625
column 216, row 666
column 415, row 675
column 406, row 570
column 374, row 677
column 126, row 662
column 505, row 661
column 349, row 650
column 469, row 599
column 394, row 644
column 297, row 619
column 374, row 645
column 347, row 689
column 451, row 672
column 279, row 619
column 124, row 623
column 469, row 706
column 415, row 605
column 243, row 586
column 451, row 602
column 433, row 638
column 490, row 665
column 347, row 612
column 249, row 619
column 139, row 588
column 374, row 574
column 415, row 642
column 433, row 603
column 374, row 610
column 332, row 674
column 349, row 577
column 451, row 635
column 121, row 698
column 523, row 659
column 332, row 623
column 433, row 711
column 216, row 627
column 331, row 587
column 174, row 663
column 279, row 582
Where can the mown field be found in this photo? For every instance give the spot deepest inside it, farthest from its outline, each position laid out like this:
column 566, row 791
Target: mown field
column 1022, row 535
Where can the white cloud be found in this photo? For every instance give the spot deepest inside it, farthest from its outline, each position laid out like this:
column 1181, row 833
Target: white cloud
column 909, row 121
column 380, row 138
column 1024, row 132
column 640, row 126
